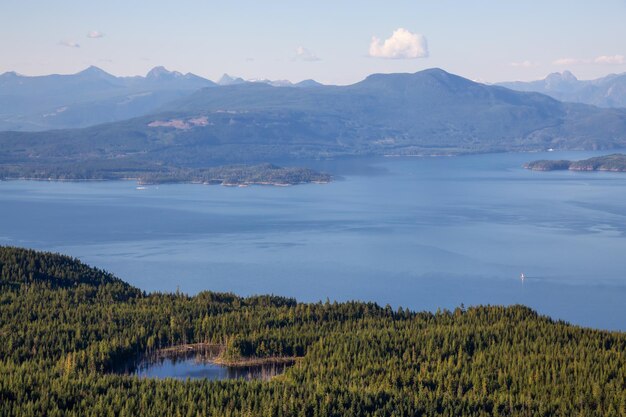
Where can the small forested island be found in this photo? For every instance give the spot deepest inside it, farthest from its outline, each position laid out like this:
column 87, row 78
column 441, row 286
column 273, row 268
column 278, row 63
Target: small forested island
column 615, row 162
column 229, row 175
column 65, row 327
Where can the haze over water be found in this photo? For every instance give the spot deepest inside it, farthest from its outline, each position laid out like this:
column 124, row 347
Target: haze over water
column 422, row 233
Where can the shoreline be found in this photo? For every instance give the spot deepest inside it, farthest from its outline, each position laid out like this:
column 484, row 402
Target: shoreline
column 141, row 183
column 216, row 355
column 247, row 362
column 615, row 162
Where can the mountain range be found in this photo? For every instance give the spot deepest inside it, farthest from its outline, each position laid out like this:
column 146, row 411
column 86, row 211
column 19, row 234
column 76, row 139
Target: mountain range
column 94, row 96
column 430, row 112
column 609, row 91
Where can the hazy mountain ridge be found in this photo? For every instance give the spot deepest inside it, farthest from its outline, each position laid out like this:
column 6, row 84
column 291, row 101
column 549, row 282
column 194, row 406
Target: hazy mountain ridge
column 430, row 112
column 431, row 109
column 89, row 97
column 93, row 96
column 609, row 91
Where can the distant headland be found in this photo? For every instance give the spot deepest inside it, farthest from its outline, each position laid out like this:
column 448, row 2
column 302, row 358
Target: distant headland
column 615, row 163
column 228, row 175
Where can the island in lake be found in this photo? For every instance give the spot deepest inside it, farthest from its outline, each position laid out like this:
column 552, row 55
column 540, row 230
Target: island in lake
column 229, row 175
column 615, row 162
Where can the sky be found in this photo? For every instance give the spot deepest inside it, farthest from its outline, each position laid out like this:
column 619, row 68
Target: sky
column 334, row 42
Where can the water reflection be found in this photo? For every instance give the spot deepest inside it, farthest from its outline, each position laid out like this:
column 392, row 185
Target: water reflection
column 198, row 365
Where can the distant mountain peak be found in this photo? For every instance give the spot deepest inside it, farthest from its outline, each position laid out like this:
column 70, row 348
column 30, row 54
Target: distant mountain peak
column 432, row 78
column 442, row 76
column 228, row 80
column 608, row 91
column 435, row 71
column 308, row 83
column 560, row 81
column 161, row 72
column 10, row 74
column 93, row 71
column 565, row 76
column 273, row 83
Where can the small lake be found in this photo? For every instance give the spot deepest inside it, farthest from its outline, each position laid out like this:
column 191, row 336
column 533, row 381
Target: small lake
column 423, row 233
column 197, row 366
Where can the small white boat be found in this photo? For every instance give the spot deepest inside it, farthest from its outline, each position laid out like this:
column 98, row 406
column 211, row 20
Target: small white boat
column 141, row 187
column 522, row 277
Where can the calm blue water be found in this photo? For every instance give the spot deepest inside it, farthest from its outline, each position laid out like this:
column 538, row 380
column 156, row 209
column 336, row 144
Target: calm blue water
column 193, row 367
column 417, row 232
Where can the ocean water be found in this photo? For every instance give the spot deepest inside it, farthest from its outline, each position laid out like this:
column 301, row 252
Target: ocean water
column 423, row 233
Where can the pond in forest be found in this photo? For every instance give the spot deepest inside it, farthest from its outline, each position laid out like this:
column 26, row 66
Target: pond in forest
column 194, row 364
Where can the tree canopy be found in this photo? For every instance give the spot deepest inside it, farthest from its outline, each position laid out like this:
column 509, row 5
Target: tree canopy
column 64, row 326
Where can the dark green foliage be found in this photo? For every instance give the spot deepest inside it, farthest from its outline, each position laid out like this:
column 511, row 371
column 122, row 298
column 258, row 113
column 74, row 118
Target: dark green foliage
column 62, row 333
column 23, row 266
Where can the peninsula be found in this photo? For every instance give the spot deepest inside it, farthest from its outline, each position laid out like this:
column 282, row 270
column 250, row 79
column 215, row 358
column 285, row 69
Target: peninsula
column 228, row 175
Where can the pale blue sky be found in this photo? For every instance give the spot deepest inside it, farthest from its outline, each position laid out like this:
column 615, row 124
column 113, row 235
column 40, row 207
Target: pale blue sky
column 489, row 41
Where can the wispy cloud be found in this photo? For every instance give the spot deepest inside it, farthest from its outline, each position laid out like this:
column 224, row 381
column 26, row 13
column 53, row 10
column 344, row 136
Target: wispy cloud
column 69, row 44
column 304, row 54
column 600, row 60
column 567, row 61
column 524, row 64
column 610, row 59
column 94, row 34
column 402, row 44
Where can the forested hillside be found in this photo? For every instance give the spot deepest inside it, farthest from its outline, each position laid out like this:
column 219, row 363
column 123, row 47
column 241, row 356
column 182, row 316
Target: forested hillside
column 64, row 326
column 431, row 112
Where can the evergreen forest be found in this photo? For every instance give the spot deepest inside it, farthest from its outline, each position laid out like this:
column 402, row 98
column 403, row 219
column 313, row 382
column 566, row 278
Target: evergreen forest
column 64, row 326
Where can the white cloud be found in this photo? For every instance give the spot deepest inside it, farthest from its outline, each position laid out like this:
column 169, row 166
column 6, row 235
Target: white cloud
column 601, row 60
column 401, row 45
column 610, row 60
column 524, row 64
column 94, row 34
column 304, row 54
column 567, row 61
column 69, row 44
